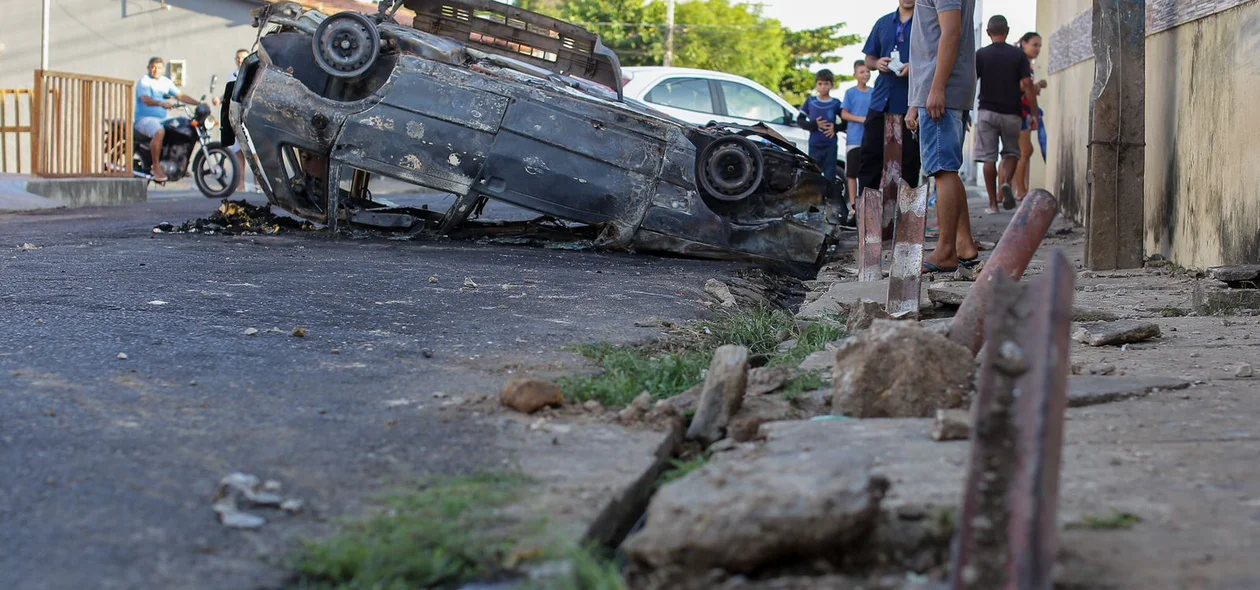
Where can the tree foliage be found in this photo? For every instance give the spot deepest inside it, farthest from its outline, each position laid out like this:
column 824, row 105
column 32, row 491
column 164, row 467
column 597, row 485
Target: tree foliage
column 716, row 35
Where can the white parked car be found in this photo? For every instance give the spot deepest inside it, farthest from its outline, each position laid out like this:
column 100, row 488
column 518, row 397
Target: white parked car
column 701, row 96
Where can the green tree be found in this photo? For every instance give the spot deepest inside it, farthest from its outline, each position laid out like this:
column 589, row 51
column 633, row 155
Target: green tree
column 810, row 47
column 719, row 35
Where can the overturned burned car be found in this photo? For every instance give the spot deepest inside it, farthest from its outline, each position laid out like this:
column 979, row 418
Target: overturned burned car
column 486, row 101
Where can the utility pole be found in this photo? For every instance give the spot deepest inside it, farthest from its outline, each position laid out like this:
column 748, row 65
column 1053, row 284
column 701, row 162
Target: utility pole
column 47, row 33
column 669, row 33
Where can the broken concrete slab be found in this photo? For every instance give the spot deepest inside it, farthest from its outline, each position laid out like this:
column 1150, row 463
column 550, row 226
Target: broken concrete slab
column 745, row 511
column 1214, row 297
column 952, row 294
column 842, row 296
column 722, row 395
column 821, row 361
column 1236, row 273
column 592, row 481
column 763, row 380
column 1088, row 390
column 951, row 425
column 897, row 369
column 1115, row 333
column 863, row 313
column 949, row 293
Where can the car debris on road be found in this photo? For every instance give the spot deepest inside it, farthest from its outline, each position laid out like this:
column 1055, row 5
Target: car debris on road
column 486, row 101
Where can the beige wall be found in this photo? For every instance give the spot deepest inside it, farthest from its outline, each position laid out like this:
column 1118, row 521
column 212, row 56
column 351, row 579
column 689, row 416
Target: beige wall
column 1202, row 204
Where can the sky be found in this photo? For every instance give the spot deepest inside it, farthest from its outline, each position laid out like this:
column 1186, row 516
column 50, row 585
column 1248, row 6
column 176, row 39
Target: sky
column 859, row 15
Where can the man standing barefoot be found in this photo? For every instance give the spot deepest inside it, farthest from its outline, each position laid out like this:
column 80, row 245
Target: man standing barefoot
column 942, row 87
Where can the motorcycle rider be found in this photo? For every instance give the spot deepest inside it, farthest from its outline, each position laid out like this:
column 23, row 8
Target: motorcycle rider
column 155, row 93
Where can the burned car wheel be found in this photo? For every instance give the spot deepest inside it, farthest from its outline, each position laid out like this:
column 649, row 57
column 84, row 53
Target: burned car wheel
column 346, row 44
column 730, row 168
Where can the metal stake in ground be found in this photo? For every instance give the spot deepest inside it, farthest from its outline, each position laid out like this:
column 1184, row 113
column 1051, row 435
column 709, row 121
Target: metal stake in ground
column 979, row 552
column 870, row 235
column 1039, row 409
column 1016, row 248
column 891, row 179
column 905, row 282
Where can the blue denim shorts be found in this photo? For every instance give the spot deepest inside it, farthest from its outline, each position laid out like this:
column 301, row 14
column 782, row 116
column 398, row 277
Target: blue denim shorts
column 941, row 142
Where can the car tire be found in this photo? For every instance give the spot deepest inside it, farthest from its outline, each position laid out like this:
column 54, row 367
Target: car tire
column 730, row 168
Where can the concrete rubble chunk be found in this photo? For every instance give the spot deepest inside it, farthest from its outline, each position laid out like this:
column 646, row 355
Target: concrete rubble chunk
column 899, row 370
column 763, row 380
column 721, row 291
column 1213, row 297
column 840, row 298
column 1244, row 372
column 744, row 512
column 822, row 360
column 951, row 425
column 1236, row 273
column 530, row 395
column 722, row 395
column 863, row 313
column 1115, row 333
column 949, row 293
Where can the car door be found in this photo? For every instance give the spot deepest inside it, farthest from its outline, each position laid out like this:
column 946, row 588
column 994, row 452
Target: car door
column 747, row 105
column 687, row 98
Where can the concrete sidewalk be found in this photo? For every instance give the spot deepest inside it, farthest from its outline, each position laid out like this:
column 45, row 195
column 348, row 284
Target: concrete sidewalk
column 28, row 193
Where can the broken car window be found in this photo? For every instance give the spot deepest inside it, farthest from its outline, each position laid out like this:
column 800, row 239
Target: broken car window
column 683, row 93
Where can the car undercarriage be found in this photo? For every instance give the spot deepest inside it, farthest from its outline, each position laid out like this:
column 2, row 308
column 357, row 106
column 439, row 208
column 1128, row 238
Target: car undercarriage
column 485, row 101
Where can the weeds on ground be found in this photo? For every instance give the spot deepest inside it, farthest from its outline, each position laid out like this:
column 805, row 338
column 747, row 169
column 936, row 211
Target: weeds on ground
column 672, row 367
column 1114, row 521
column 796, row 389
column 629, row 371
column 679, row 468
column 437, row 536
column 449, row 533
column 1172, row 312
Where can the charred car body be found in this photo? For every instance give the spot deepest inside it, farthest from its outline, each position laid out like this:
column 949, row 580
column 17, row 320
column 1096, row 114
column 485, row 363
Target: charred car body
column 523, row 109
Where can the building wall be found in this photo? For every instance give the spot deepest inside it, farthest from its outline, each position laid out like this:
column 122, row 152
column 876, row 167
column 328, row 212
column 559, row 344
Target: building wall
column 1203, row 72
column 116, row 38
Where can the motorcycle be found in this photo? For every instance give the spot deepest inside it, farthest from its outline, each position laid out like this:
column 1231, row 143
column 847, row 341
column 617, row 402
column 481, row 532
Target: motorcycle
column 215, row 169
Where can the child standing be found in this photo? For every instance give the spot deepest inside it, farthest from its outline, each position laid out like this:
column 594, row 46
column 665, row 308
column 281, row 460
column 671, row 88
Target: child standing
column 819, row 116
column 857, row 103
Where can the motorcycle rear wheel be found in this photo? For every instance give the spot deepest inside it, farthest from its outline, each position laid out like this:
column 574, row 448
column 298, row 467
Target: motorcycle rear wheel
column 216, row 172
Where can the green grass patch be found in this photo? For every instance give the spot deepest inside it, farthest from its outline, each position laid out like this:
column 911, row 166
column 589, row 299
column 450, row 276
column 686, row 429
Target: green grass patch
column 591, row 570
column 796, row 389
column 666, row 370
column 443, row 534
column 759, row 329
column 629, row 371
column 808, row 341
column 1117, row 520
column 680, row 468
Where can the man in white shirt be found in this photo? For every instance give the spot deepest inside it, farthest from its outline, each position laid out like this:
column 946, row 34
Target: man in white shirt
column 155, row 94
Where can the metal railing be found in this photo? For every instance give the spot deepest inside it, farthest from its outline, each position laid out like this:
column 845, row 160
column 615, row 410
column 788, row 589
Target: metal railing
column 82, row 125
column 15, row 131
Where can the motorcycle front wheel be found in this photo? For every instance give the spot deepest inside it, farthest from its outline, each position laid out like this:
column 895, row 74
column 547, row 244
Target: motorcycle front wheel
column 216, row 172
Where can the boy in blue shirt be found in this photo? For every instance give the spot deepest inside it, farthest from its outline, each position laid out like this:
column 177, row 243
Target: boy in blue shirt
column 857, row 103
column 819, row 115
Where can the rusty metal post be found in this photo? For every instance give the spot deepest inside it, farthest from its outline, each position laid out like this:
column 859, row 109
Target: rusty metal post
column 1015, row 249
column 892, row 176
column 870, row 235
column 905, row 279
column 979, row 551
column 1117, row 143
column 1039, row 409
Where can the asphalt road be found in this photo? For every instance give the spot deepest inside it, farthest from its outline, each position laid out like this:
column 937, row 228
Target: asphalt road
column 107, row 466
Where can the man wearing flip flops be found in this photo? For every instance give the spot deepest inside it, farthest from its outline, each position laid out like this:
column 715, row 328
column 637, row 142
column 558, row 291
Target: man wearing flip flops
column 942, row 87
